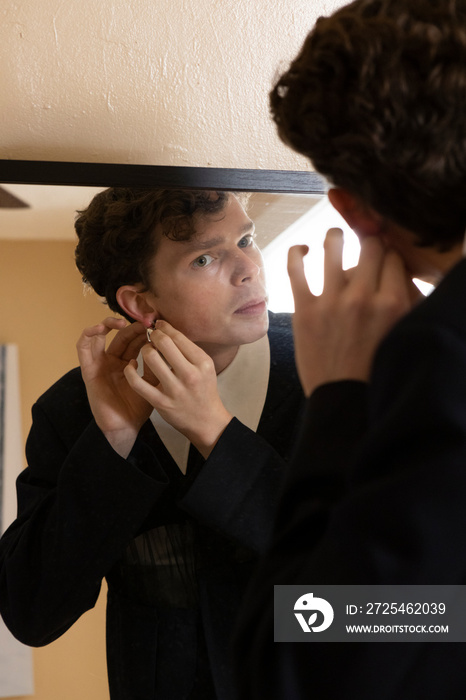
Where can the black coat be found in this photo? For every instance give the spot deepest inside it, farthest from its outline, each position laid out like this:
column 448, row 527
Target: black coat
column 376, row 494
column 81, row 506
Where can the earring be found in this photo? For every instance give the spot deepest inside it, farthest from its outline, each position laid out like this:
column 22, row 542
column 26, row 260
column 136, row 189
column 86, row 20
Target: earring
column 150, row 330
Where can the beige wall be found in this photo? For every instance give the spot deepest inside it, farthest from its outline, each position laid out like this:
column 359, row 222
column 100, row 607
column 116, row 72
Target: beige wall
column 42, row 310
column 172, row 82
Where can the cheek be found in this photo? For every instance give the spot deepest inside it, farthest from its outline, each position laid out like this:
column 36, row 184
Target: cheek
column 259, row 260
column 192, row 313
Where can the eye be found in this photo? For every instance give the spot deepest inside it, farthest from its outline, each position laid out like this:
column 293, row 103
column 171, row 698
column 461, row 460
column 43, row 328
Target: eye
column 246, row 241
column 203, row 261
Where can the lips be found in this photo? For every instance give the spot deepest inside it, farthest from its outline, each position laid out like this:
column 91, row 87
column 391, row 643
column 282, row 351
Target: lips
column 255, row 306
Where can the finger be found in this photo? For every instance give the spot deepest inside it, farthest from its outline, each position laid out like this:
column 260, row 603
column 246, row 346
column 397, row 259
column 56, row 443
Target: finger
column 183, row 358
column 147, row 375
column 134, row 347
column 102, row 328
column 349, row 273
column 368, row 270
column 93, row 338
column 299, row 285
column 168, row 361
column 189, row 350
column 128, row 341
column 334, row 276
column 140, row 385
column 396, row 283
column 156, row 363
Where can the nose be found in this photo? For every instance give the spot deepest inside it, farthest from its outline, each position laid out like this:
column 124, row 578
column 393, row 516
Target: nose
column 246, row 269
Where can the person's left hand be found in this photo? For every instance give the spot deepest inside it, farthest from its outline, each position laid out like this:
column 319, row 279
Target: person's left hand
column 187, row 395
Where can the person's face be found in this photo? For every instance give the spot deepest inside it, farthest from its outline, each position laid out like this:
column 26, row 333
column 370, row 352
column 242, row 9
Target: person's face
column 212, row 287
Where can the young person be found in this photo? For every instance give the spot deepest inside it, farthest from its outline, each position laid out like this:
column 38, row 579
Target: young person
column 376, row 491
column 163, row 482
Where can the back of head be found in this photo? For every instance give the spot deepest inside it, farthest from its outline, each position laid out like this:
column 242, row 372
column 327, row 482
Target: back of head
column 376, row 99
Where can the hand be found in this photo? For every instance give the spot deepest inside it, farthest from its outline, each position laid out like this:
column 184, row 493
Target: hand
column 337, row 333
column 187, row 395
column 118, row 410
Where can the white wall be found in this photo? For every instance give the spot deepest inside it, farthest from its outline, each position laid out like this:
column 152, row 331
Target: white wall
column 170, row 82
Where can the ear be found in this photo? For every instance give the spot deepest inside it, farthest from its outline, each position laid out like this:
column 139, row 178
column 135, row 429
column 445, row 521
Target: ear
column 138, row 303
column 361, row 218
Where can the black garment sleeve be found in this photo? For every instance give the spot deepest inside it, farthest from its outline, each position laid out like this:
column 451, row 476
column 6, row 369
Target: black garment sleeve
column 236, row 491
column 78, row 507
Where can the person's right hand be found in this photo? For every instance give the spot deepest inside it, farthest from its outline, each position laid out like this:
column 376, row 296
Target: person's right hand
column 186, row 394
column 118, row 410
column 337, row 333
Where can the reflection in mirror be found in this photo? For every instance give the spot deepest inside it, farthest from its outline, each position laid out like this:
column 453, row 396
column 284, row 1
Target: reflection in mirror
column 43, row 310
column 49, row 215
column 282, row 220
column 310, row 229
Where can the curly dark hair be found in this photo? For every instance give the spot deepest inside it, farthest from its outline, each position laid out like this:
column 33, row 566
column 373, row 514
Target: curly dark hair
column 120, row 229
column 376, row 99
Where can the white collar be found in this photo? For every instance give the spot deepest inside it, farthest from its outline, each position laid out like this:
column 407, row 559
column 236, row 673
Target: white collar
column 242, row 386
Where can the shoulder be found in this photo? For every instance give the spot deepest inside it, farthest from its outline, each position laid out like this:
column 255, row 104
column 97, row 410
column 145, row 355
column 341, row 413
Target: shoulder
column 66, row 399
column 424, row 355
column 70, row 386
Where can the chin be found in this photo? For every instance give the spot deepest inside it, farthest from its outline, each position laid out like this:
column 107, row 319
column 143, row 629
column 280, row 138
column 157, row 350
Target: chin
column 254, row 330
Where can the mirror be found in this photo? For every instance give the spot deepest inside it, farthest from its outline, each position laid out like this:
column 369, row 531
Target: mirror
column 37, row 240
column 114, row 174
column 51, row 192
column 43, row 310
column 38, row 199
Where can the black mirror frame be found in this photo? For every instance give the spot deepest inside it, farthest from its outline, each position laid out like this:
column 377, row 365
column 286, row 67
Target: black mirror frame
column 37, row 172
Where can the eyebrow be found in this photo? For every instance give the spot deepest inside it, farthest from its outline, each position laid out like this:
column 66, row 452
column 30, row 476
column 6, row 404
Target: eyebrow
column 196, row 244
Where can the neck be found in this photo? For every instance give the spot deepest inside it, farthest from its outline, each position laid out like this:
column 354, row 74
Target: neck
column 434, row 264
column 426, row 263
column 221, row 356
